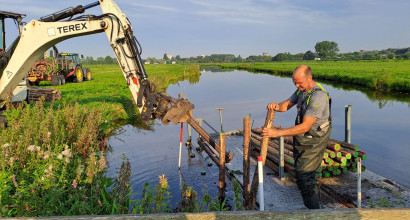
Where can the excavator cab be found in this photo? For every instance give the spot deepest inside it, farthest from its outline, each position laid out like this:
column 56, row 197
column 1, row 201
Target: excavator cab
column 6, row 54
column 20, row 92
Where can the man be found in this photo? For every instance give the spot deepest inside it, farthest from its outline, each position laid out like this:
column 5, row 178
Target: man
column 310, row 134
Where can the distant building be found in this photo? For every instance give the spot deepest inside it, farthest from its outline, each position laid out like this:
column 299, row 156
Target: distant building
column 265, row 54
column 317, row 58
column 147, row 62
column 174, row 62
column 203, row 56
column 169, row 56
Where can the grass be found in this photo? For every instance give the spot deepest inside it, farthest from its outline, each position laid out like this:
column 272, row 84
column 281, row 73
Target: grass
column 52, row 155
column 386, row 75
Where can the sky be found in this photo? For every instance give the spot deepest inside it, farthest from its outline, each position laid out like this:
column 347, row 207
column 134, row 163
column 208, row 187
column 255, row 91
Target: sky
column 190, row 28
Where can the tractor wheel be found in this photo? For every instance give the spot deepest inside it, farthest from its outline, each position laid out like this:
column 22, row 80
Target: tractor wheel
column 62, row 79
column 87, row 74
column 78, row 73
column 55, row 81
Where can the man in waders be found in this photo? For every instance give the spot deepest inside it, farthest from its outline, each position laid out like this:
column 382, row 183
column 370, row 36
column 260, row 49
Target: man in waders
column 310, row 133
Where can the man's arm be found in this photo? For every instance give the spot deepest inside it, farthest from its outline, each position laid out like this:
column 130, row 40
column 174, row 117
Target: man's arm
column 295, row 130
column 281, row 107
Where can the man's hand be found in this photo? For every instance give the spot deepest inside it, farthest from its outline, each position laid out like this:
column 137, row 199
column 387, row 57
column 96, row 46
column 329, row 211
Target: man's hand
column 270, row 132
column 273, row 106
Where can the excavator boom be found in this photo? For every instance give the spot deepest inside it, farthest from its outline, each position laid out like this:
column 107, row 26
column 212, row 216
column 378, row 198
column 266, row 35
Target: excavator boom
column 39, row 35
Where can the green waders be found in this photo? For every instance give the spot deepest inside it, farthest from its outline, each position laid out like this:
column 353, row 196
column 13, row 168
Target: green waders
column 308, row 152
column 308, row 155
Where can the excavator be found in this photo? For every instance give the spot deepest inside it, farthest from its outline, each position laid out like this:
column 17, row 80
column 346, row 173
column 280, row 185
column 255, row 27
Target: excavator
column 38, row 35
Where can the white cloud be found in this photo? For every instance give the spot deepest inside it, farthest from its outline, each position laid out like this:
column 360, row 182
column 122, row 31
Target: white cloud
column 156, row 7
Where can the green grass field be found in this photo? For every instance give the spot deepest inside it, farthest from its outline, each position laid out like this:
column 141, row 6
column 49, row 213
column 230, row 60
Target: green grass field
column 388, row 75
column 108, row 91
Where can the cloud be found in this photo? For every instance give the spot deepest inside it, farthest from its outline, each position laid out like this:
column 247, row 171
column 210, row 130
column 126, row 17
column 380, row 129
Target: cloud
column 155, row 7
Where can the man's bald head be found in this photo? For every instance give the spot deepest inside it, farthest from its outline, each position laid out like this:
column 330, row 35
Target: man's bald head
column 302, row 70
column 302, row 78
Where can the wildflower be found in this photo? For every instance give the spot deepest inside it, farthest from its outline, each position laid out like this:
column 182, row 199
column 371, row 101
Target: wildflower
column 38, row 148
column 80, row 170
column 163, row 182
column 46, row 156
column 6, row 145
column 67, row 160
column 60, row 156
column 12, row 159
column 30, row 148
column 102, row 163
column 74, row 184
column 66, row 152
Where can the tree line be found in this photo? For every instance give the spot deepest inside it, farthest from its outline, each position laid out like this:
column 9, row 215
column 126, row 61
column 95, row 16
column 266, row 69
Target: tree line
column 324, row 50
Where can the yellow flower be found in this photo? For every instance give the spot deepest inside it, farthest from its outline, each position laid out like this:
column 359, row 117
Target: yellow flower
column 163, row 182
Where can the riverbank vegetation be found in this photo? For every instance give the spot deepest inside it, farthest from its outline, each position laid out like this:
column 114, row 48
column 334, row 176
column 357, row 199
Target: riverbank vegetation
column 389, row 75
column 52, row 156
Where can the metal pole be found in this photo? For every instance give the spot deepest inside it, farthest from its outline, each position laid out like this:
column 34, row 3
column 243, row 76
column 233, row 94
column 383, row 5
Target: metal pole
column 220, row 118
column 281, row 157
column 260, row 189
column 189, row 141
column 359, row 182
column 348, row 114
column 180, row 145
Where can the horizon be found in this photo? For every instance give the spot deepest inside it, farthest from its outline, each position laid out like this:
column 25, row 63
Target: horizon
column 190, row 28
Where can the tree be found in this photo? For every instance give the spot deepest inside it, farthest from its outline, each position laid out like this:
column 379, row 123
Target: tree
column 281, row 57
column 326, row 49
column 165, row 56
column 309, row 55
column 108, row 60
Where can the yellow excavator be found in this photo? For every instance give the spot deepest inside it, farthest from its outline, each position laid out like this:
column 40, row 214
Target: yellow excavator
column 39, row 35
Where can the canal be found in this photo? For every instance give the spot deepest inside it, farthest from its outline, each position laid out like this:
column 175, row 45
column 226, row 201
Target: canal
column 380, row 126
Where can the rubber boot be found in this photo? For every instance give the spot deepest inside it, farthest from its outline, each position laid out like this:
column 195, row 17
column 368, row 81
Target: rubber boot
column 311, row 199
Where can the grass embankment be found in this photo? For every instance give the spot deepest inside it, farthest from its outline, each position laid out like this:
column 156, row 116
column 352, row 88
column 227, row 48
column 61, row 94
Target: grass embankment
column 389, row 75
column 52, row 155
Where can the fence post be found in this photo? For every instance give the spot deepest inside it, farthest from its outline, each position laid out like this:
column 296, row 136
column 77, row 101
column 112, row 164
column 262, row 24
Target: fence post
column 246, row 161
column 222, row 176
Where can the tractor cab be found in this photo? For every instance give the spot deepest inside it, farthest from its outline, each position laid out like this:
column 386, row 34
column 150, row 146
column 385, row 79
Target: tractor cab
column 71, row 59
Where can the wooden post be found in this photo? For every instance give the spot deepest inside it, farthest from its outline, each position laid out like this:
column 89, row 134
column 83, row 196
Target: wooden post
column 246, row 161
column 222, row 176
column 264, row 151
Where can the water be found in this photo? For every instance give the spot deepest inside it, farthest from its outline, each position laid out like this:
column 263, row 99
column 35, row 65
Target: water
column 381, row 127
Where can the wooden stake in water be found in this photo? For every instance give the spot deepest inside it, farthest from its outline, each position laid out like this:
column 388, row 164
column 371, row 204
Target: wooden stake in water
column 222, row 174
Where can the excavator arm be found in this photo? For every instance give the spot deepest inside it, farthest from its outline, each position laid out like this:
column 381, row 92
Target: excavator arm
column 39, row 35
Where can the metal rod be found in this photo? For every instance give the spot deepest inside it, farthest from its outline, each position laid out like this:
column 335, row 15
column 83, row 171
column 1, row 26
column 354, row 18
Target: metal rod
column 210, row 126
column 359, row 182
column 189, row 141
column 220, row 118
column 348, row 113
column 180, row 145
column 260, row 189
column 281, row 157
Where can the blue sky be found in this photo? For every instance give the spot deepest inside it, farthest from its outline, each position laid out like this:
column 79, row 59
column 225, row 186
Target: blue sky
column 240, row 27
